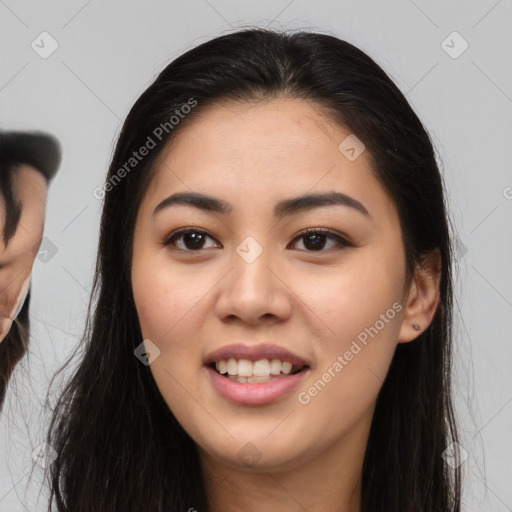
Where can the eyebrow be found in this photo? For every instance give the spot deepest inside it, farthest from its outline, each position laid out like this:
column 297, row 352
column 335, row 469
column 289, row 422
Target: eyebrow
column 281, row 209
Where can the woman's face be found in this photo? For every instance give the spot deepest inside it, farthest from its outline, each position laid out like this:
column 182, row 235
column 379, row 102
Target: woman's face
column 249, row 275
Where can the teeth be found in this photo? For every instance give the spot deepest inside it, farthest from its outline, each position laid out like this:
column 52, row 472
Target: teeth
column 286, row 368
column 245, row 368
column 252, row 380
column 222, row 366
column 260, row 368
column 275, row 367
column 232, row 367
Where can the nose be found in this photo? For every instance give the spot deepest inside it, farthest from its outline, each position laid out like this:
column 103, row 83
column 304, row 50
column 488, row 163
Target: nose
column 254, row 291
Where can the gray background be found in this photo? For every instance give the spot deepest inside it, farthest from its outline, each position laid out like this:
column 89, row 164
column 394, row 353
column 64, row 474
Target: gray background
column 109, row 52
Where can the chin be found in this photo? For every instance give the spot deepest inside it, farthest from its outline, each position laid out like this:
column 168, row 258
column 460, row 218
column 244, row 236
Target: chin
column 256, row 454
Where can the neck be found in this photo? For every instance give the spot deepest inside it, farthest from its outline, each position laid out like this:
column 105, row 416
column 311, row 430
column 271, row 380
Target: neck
column 328, row 481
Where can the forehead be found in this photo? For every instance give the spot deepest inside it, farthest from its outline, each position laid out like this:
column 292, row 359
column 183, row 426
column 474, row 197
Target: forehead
column 257, row 131
column 260, row 152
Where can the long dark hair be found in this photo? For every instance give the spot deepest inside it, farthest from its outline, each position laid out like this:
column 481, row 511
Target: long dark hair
column 118, row 445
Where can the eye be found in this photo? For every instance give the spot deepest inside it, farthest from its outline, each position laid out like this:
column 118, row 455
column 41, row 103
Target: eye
column 193, row 239
column 316, row 239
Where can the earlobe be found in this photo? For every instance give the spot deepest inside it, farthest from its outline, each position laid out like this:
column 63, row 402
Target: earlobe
column 423, row 298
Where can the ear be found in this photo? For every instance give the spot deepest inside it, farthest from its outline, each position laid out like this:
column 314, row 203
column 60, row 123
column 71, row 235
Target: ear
column 422, row 297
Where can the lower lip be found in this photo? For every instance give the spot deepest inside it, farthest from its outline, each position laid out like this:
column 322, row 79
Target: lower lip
column 255, row 394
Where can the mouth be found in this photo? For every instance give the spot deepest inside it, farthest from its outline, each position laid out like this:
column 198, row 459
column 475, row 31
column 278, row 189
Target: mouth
column 257, row 374
column 261, row 371
column 237, row 382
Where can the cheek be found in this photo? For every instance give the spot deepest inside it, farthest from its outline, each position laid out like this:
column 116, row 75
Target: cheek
column 168, row 306
column 165, row 302
column 360, row 312
column 172, row 307
column 345, row 301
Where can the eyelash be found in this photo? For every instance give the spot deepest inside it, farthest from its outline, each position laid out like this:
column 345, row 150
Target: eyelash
column 323, row 231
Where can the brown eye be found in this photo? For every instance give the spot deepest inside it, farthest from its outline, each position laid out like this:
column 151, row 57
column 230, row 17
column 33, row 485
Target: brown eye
column 190, row 239
column 315, row 239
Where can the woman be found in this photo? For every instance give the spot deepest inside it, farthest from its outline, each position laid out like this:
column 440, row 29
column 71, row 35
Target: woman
column 273, row 316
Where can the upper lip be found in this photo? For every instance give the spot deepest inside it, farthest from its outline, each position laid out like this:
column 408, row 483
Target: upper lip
column 254, row 353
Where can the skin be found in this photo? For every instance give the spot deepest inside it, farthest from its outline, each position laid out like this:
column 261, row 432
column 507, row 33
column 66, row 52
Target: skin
column 17, row 259
column 313, row 303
